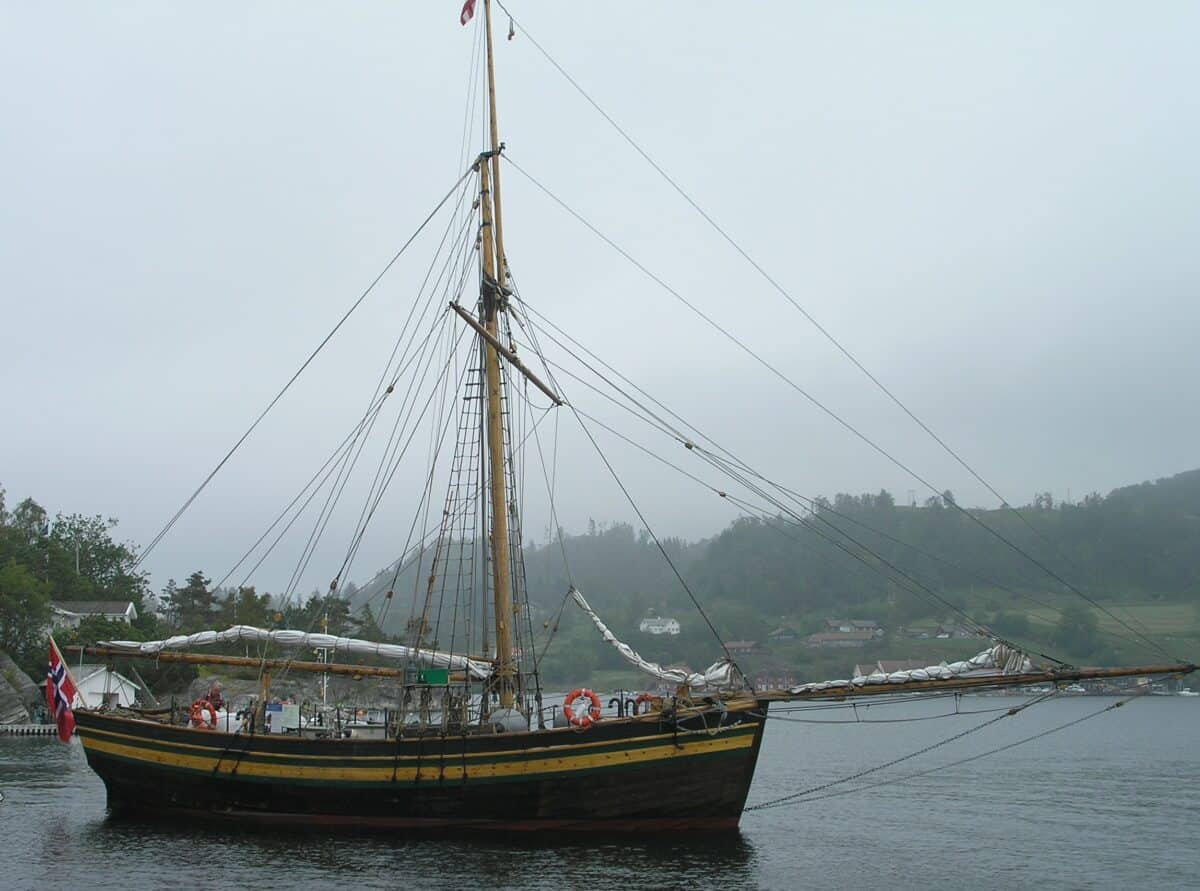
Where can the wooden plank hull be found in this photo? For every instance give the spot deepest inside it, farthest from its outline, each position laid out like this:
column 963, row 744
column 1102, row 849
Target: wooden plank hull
column 644, row 775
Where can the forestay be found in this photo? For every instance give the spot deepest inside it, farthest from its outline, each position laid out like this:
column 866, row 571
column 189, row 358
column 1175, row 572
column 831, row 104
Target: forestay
column 719, row 674
column 478, row 669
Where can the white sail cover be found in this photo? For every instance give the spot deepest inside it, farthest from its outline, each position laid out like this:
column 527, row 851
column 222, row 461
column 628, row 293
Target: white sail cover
column 1000, row 659
column 719, row 674
column 478, row 669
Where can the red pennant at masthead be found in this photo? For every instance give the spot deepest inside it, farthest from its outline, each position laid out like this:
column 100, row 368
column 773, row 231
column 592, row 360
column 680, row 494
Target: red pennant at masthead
column 468, row 10
column 60, row 693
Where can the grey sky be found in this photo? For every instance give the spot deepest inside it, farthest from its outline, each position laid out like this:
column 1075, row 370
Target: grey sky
column 993, row 207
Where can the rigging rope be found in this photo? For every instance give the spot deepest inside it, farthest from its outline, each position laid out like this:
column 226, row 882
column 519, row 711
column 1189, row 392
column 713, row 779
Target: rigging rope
column 830, row 412
column 335, row 460
column 807, row 796
column 378, row 484
column 179, row 513
column 737, row 477
column 828, row 335
column 389, row 453
column 913, row 585
column 954, row 714
column 398, row 454
column 783, row 799
column 446, row 266
column 656, row 421
column 646, row 525
column 343, row 478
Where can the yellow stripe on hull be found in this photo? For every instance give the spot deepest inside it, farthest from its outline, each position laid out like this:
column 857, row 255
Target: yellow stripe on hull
column 386, row 770
column 233, row 747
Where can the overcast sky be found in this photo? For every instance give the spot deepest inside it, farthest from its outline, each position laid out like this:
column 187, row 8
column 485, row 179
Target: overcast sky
column 994, row 207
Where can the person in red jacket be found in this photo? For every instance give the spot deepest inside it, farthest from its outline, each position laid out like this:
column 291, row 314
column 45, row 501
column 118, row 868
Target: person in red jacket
column 214, row 696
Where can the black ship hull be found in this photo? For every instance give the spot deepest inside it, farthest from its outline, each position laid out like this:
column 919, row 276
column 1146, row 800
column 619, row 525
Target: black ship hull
column 648, row 773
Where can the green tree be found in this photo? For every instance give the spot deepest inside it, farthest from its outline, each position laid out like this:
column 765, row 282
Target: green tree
column 84, row 561
column 29, row 518
column 24, row 617
column 738, row 621
column 1077, row 630
column 23, row 537
column 94, row 629
column 368, row 627
column 1011, row 624
column 192, row 607
column 321, row 613
column 245, row 606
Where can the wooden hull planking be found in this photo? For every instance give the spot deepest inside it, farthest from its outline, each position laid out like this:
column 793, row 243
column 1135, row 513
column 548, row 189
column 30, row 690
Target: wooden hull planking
column 623, row 775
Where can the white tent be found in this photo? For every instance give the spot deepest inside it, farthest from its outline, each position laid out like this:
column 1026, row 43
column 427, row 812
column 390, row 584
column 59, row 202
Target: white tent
column 96, row 686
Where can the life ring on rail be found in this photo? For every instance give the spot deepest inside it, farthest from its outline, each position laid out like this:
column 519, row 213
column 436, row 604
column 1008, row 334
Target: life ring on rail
column 645, row 699
column 586, row 717
column 199, row 707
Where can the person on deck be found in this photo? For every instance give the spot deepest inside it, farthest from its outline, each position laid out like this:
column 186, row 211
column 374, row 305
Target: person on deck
column 214, row 696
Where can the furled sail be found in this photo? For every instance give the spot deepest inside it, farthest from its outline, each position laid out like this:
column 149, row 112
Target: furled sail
column 719, row 674
column 480, row 670
column 998, row 660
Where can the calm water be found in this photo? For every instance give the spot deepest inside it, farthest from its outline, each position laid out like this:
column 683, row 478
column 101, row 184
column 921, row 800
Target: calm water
column 1111, row 803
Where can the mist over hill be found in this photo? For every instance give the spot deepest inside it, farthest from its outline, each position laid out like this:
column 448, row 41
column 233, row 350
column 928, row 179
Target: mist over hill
column 1013, row 569
column 1140, row 541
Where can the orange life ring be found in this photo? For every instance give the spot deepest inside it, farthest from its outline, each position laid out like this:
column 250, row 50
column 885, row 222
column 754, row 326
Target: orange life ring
column 199, row 707
column 587, row 717
column 642, row 699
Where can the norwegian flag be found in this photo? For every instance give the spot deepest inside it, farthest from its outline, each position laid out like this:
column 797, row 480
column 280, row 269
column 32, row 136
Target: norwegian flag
column 468, row 10
column 60, row 693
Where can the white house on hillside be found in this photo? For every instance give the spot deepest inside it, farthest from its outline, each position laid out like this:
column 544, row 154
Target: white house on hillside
column 851, row 626
column 69, row 613
column 659, row 625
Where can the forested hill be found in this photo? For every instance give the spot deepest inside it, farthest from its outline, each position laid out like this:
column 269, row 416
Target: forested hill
column 1139, row 547
column 1139, row 542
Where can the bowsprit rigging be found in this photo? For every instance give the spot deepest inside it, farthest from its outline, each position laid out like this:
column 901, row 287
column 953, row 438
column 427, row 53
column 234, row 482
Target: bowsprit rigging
column 473, row 745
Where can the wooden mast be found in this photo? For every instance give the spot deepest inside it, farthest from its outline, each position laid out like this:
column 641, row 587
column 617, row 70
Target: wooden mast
column 492, row 296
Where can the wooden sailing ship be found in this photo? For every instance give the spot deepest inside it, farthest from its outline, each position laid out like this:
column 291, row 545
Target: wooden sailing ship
column 683, row 768
column 684, row 765
column 490, row 758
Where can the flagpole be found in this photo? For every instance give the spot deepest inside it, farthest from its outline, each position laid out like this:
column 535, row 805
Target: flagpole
column 67, row 667
column 60, row 691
